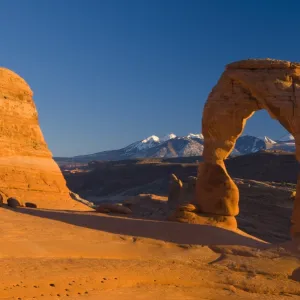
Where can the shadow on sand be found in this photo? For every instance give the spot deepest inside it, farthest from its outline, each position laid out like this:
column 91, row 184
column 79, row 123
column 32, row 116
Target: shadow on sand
column 179, row 233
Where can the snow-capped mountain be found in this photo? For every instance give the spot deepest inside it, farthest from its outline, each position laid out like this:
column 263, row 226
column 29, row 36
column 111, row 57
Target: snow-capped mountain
column 267, row 140
column 249, row 144
column 286, row 138
column 147, row 143
column 285, row 143
column 195, row 136
column 171, row 145
column 177, row 147
column 167, row 137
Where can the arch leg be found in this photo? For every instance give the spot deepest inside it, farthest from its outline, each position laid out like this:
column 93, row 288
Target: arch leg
column 224, row 116
column 216, row 193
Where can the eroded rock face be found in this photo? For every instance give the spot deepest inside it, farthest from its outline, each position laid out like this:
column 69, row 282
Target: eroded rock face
column 244, row 87
column 27, row 170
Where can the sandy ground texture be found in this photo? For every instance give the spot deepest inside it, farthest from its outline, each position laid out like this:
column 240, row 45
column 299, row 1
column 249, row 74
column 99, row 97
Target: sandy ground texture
column 48, row 254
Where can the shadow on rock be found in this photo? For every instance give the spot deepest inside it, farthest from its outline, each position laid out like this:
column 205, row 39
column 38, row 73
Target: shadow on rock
column 180, row 233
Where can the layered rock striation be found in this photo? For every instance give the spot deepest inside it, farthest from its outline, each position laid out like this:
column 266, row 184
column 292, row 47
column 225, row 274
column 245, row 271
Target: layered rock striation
column 27, row 170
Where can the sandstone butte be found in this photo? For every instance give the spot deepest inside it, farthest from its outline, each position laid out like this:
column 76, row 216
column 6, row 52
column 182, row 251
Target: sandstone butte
column 27, row 170
column 244, row 88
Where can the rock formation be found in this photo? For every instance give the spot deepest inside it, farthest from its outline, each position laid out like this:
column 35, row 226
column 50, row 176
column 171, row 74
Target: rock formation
column 187, row 191
column 175, row 186
column 189, row 213
column 30, row 205
column 113, row 208
column 14, row 203
column 296, row 275
column 244, row 87
column 27, row 170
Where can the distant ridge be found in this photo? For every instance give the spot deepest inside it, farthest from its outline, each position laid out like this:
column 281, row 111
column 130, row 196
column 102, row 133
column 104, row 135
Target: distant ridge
column 287, row 137
column 171, row 145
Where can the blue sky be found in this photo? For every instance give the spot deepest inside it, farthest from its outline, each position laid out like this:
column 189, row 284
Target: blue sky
column 107, row 73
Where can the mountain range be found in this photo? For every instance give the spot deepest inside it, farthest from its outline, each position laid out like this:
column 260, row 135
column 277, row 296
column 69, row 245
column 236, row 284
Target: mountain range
column 181, row 146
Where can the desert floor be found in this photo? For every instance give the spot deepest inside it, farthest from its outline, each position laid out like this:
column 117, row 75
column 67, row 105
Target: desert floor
column 79, row 255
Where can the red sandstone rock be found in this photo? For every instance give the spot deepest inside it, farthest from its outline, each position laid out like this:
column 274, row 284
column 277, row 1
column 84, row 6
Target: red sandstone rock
column 220, row 192
column 175, row 186
column 27, row 170
column 244, row 87
column 12, row 202
column 30, row 205
column 189, row 214
column 113, row 208
column 296, row 275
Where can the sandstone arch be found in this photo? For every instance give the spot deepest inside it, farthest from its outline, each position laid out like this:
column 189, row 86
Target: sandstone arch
column 27, row 170
column 244, row 87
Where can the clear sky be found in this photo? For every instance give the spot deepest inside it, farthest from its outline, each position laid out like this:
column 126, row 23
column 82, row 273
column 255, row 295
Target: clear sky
column 108, row 73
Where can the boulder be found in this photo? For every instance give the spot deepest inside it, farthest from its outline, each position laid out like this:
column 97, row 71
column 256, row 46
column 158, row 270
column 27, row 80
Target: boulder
column 30, row 204
column 293, row 195
column 187, row 207
column 76, row 197
column 13, row 202
column 296, row 275
column 113, row 208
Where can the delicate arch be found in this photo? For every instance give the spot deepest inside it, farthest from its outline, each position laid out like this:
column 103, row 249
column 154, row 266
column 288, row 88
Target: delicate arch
column 244, row 87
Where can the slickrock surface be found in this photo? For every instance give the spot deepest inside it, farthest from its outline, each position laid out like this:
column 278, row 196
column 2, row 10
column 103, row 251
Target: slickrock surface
column 244, row 87
column 84, row 255
column 27, row 170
